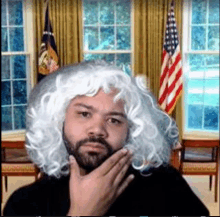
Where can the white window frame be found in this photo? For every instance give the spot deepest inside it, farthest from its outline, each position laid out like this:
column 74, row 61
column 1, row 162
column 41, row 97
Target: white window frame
column 131, row 51
column 194, row 134
column 19, row 135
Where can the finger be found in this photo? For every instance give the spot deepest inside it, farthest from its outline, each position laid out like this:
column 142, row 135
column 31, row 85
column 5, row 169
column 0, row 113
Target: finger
column 74, row 167
column 118, row 168
column 125, row 184
column 121, row 174
column 111, row 162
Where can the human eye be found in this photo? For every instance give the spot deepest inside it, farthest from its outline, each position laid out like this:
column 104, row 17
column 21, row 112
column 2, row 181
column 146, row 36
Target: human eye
column 84, row 114
column 114, row 121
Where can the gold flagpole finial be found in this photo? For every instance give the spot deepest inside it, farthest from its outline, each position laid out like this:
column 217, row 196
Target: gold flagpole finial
column 46, row 2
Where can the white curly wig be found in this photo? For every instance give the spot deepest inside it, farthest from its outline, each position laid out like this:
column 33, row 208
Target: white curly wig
column 152, row 133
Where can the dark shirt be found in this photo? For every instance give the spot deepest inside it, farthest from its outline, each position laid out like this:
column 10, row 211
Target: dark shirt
column 164, row 192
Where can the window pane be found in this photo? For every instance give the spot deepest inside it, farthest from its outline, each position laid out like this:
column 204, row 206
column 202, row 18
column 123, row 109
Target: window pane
column 91, row 38
column 107, row 38
column 90, row 12
column 107, row 12
column 196, row 65
column 195, row 85
column 213, row 38
column 20, row 92
column 4, row 39
column 15, row 13
column 195, row 91
column 124, row 61
column 198, row 11
column 201, row 65
column 211, row 92
column 107, row 57
column 211, row 99
column 212, row 85
column 211, row 73
column 194, row 98
column 19, row 66
column 6, row 93
column 6, row 118
column 19, row 116
column 3, row 4
column 212, row 62
column 123, row 38
column 211, row 117
column 198, row 38
column 5, row 68
column 123, row 12
column 16, row 39
column 213, row 11
column 195, row 116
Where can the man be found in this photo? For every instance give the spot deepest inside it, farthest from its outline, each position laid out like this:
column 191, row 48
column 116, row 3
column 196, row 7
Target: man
column 103, row 146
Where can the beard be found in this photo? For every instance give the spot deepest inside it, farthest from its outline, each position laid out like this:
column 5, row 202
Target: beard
column 89, row 160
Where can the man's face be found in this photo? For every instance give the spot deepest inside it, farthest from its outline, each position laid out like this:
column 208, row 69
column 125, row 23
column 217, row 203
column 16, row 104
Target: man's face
column 95, row 127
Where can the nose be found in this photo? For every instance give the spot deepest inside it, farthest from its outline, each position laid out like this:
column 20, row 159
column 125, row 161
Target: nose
column 97, row 129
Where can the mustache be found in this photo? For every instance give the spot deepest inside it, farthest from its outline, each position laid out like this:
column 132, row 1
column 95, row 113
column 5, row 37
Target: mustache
column 99, row 140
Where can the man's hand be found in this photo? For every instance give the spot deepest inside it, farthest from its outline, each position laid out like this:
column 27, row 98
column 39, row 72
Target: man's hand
column 93, row 194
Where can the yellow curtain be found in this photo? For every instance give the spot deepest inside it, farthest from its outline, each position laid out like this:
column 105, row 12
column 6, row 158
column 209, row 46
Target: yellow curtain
column 66, row 19
column 149, row 28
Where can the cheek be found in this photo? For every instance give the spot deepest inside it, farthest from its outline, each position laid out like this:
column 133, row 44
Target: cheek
column 72, row 130
column 119, row 136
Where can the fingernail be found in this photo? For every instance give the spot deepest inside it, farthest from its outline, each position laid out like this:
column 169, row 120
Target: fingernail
column 130, row 152
column 124, row 150
column 132, row 176
column 71, row 158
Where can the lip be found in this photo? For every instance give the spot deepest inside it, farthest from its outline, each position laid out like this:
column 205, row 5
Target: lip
column 94, row 146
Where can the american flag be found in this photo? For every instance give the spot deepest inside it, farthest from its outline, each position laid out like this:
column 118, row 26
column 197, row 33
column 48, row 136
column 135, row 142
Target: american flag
column 171, row 70
column 48, row 57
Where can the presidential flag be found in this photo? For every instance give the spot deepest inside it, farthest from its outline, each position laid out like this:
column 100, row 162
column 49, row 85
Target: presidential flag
column 48, row 57
column 171, row 70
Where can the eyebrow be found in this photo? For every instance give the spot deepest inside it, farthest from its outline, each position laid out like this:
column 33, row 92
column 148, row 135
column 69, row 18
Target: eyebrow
column 92, row 108
column 118, row 113
column 84, row 105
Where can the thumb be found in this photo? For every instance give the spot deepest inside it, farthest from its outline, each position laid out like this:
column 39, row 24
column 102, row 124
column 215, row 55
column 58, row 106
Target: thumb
column 74, row 167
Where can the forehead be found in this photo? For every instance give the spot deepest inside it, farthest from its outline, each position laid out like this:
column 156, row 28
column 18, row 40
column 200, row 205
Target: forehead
column 100, row 101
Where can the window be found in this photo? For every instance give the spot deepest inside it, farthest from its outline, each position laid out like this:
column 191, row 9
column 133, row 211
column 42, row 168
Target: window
column 201, row 67
column 15, row 62
column 107, row 32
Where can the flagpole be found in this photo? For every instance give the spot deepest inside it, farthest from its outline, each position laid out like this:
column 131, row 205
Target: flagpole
column 174, row 111
column 46, row 4
column 48, row 27
column 45, row 7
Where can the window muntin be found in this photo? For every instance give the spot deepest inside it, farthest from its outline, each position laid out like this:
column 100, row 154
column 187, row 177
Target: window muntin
column 107, row 31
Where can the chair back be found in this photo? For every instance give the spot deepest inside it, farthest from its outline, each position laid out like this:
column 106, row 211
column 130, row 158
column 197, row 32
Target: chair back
column 13, row 144
column 197, row 145
column 17, row 155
